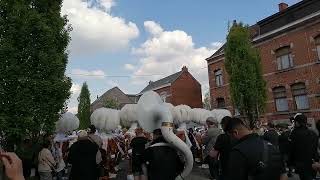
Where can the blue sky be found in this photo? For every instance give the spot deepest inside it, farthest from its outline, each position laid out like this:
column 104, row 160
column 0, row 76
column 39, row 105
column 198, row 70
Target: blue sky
column 127, row 43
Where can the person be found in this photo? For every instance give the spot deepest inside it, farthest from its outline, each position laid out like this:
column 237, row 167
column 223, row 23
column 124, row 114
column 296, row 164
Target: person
column 195, row 146
column 284, row 145
column 46, row 162
column 271, row 135
column 12, row 166
column 58, row 157
column 209, row 141
column 222, row 149
column 82, row 157
column 162, row 160
column 138, row 145
column 303, row 148
column 252, row 157
column 25, row 152
column 93, row 136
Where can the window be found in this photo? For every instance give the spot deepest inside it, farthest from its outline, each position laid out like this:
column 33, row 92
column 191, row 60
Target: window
column 221, row 103
column 317, row 40
column 218, row 76
column 280, row 98
column 163, row 96
column 299, row 93
column 284, row 58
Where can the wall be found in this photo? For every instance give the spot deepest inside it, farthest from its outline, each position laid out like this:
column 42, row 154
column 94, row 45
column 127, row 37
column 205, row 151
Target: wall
column 186, row 90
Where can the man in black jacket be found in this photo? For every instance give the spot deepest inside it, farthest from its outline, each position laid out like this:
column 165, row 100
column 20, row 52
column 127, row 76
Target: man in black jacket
column 303, row 146
column 82, row 157
column 252, row 157
column 163, row 162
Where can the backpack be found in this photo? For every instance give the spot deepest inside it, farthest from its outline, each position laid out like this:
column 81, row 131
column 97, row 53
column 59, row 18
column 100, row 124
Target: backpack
column 270, row 166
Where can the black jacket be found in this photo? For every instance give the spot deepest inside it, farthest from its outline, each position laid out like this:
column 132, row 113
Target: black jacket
column 245, row 157
column 303, row 147
column 163, row 162
column 272, row 136
column 82, row 157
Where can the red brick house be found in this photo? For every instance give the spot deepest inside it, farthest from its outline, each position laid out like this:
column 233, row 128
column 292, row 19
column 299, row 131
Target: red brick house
column 178, row 88
column 289, row 45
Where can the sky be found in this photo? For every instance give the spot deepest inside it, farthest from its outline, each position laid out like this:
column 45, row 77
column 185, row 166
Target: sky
column 127, row 43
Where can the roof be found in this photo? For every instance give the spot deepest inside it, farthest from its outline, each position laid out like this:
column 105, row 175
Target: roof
column 113, row 93
column 289, row 15
column 161, row 82
column 219, row 52
column 278, row 20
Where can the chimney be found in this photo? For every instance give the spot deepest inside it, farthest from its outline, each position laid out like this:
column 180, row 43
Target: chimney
column 184, row 69
column 283, row 6
column 150, row 82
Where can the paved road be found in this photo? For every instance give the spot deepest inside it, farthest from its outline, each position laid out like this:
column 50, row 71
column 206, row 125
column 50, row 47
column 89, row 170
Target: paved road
column 196, row 174
column 203, row 174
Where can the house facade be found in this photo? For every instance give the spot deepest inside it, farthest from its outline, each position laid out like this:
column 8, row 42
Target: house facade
column 178, row 88
column 289, row 46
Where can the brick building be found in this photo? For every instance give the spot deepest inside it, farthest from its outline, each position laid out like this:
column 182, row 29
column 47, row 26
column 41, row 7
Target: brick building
column 289, row 45
column 178, row 88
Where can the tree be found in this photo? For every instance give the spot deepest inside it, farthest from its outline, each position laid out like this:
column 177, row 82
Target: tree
column 207, row 101
column 243, row 64
column 33, row 57
column 111, row 103
column 84, row 107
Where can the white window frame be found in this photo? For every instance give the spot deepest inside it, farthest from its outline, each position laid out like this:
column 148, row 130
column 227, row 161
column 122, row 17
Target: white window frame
column 300, row 97
column 218, row 77
column 280, row 99
column 163, row 96
column 284, row 59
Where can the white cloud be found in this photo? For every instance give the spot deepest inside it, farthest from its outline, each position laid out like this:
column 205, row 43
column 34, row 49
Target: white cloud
column 75, row 89
column 165, row 52
column 73, row 109
column 95, row 29
column 129, row 67
column 153, row 28
column 85, row 74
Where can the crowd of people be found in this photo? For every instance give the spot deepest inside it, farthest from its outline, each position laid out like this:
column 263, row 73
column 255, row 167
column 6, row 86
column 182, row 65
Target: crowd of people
column 231, row 149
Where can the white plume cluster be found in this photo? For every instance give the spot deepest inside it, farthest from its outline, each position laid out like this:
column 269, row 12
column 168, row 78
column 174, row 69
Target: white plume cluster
column 128, row 115
column 67, row 122
column 172, row 109
column 105, row 120
column 200, row 116
column 182, row 114
column 219, row 114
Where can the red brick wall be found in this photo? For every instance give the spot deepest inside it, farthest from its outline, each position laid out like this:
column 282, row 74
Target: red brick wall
column 186, row 90
column 222, row 91
column 306, row 69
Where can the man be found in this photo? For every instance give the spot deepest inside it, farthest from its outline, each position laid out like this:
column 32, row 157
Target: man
column 162, row 160
column 138, row 145
column 222, row 149
column 271, row 135
column 26, row 153
column 82, row 157
column 251, row 157
column 209, row 141
column 93, row 137
column 303, row 146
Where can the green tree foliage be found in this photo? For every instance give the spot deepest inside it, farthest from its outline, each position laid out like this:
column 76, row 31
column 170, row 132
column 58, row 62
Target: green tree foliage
column 247, row 86
column 84, row 107
column 207, row 101
column 111, row 103
column 33, row 57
